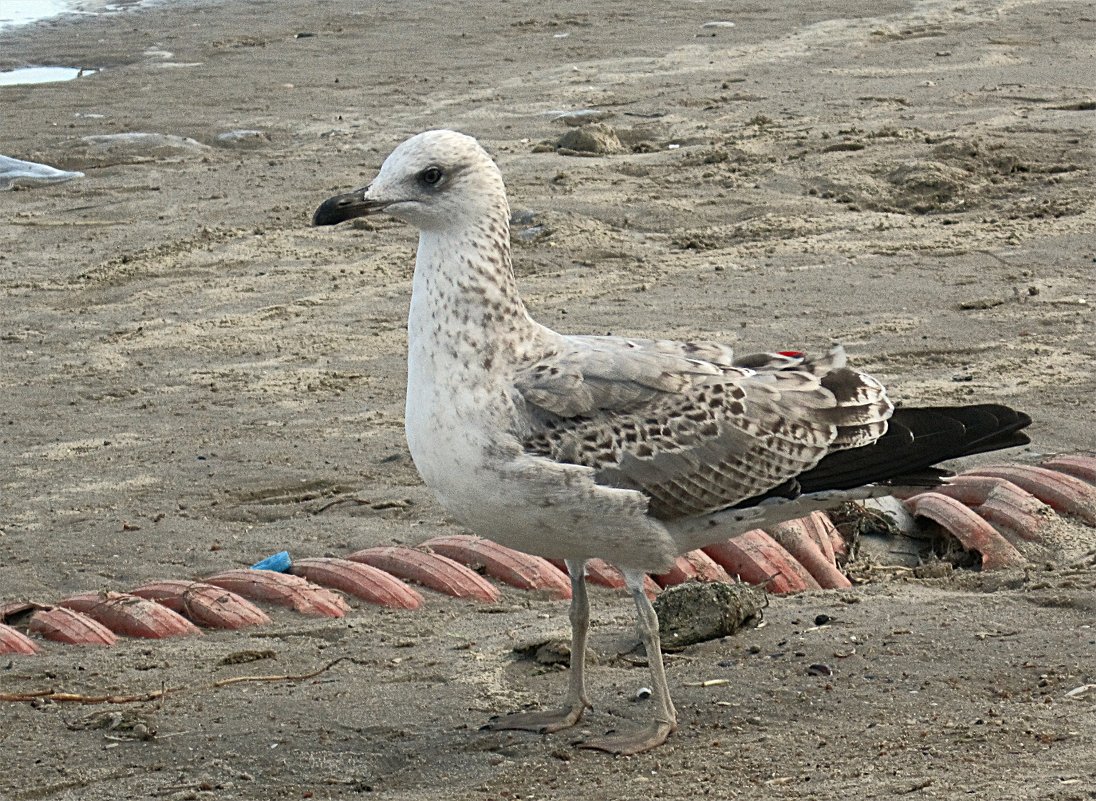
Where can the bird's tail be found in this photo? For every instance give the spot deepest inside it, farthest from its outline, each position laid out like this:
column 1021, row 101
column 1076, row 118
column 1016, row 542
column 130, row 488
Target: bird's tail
column 917, row 439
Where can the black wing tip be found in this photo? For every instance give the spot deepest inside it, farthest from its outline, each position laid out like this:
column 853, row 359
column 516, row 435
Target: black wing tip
column 918, row 439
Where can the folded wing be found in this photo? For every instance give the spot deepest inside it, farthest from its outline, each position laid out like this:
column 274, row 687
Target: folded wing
column 689, row 426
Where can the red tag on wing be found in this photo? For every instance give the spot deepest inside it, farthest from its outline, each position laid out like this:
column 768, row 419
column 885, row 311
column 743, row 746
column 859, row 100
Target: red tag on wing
column 791, row 354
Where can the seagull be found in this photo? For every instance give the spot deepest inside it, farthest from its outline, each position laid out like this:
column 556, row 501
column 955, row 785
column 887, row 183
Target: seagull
column 631, row 450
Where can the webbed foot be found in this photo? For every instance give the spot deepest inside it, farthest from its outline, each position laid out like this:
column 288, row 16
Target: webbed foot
column 643, row 739
column 544, row 722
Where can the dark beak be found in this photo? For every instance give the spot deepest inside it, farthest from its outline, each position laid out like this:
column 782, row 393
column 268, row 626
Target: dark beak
column 346, row 207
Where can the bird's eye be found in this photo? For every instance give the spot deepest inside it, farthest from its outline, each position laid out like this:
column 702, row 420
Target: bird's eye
column 431, row 176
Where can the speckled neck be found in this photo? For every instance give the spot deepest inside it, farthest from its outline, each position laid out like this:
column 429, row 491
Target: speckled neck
column 465, row 299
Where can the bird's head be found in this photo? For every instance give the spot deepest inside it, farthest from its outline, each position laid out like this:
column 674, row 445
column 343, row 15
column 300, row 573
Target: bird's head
column 434, row 180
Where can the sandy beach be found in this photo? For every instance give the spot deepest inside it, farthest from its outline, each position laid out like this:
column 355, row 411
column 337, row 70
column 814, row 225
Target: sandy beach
column 193, row 374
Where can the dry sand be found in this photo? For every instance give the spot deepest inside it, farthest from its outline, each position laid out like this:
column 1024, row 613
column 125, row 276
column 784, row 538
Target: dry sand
column 191, row 371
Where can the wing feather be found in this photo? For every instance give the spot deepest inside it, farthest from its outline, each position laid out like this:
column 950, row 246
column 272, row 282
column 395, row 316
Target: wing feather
column 690, row 426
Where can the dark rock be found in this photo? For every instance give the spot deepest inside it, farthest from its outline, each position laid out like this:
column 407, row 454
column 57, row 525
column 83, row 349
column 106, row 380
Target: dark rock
column 697, row 611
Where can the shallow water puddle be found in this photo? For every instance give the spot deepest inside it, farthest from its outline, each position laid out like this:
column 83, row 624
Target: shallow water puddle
column 25, row 75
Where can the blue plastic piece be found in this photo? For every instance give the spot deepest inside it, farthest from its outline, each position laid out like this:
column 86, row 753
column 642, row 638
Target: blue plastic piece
column 279, row 563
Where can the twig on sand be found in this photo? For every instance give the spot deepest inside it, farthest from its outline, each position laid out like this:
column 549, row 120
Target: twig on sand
column 302, row 677
column 78, row 698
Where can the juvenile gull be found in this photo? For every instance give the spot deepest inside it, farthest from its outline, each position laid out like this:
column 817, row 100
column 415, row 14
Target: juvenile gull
column 631, row 450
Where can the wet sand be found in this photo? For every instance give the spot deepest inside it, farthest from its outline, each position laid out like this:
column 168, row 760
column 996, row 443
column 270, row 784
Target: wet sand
column 192, row 372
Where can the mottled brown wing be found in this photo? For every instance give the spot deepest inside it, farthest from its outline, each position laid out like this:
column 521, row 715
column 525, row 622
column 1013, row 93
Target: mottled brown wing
column 588, row 374
column 697, row 436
